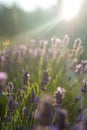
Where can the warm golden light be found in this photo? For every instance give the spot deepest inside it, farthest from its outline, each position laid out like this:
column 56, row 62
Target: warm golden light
column 70, row 8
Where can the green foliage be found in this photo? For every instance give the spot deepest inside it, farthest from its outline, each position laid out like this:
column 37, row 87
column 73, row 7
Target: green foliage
column 57, row 61
column 3, row 104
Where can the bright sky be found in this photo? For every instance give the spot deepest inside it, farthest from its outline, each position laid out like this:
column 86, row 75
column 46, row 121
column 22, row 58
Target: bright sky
column 70, row 8
column 29, row 5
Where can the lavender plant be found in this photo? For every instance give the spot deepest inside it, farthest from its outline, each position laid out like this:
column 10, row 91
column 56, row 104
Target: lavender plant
column 37, row 66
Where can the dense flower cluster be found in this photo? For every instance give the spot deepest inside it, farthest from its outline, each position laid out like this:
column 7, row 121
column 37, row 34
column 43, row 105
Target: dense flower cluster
column 31, row 100
column 82, row 67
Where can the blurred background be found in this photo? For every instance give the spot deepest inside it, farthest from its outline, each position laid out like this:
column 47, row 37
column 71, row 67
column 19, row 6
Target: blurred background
column 43, row 18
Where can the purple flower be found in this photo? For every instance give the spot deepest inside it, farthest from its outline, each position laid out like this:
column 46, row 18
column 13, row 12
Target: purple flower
column 58, row 96
column 61, row 118
column 3, row 78
column 46, row 128
column 45, row 111
column 53, row 128
column 80, row 117
column 75, row 127
column 10, row 87
column 10, row 98
column 26, row 77
column 84, row 88
column 79, row 111
column 82, row 67
column 25, row 111
column 45, row 79
column 76, row 99
column 83, row 125
column 8, row 118
column 12, row 106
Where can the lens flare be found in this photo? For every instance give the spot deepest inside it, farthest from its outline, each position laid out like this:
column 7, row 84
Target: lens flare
column 70, row 8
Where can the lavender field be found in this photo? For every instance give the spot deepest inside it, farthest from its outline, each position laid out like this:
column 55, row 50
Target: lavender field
column 43, row 85
column 43, row 65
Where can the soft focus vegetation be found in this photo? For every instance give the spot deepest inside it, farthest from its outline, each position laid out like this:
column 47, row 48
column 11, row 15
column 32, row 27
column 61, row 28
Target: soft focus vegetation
column 43, row 71
column 36, row 69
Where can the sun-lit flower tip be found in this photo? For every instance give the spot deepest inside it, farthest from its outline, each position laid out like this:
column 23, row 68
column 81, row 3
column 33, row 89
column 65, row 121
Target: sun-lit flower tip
column 26, row 77
column 84, row 62
column 58, row 96
column 84, row 82
column 25, row 73
column 60, row 90
column 10, row 87
column 78, row 42
column 53, row 39
column 66, row 39
column 82, row 67
column 43, row 43
column 23, row 47
column 79, row 68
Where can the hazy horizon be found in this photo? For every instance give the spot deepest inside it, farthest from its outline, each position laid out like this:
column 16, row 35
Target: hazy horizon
column 29, row 5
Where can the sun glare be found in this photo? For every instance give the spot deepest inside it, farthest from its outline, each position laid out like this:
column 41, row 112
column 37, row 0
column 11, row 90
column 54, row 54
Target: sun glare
column 29, row 5
column 70, row 8
column 45, row 4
